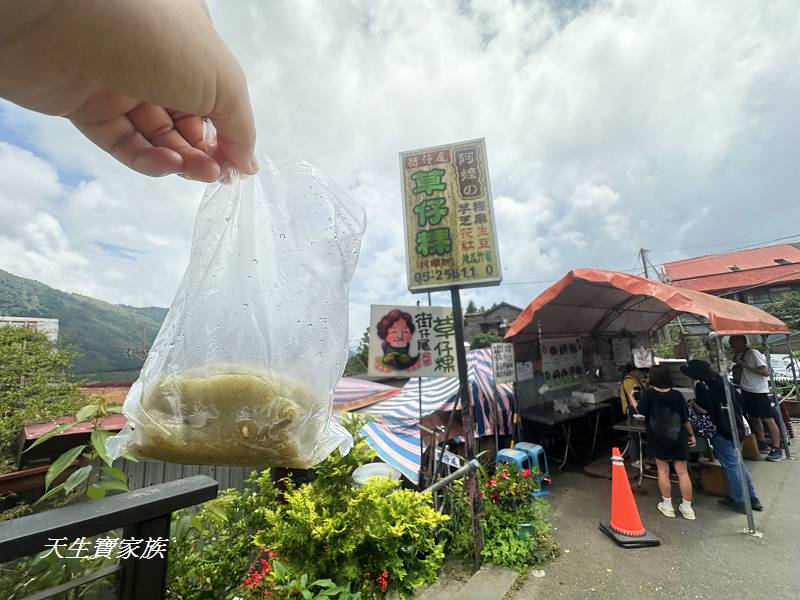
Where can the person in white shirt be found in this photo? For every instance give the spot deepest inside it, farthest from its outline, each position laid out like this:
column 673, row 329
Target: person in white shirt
column 756, row 399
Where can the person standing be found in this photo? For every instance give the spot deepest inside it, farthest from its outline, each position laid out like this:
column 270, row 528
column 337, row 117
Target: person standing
column 629, row 393
column 709, row 393
column 669, row 437
column 758, row 405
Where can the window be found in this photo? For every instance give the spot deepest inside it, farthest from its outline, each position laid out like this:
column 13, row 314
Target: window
column 758, row 297
column 779, row 293
column 733, row 268
column 781, row 261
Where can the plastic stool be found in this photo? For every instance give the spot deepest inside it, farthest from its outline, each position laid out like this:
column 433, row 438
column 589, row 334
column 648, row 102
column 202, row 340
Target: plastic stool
column 518, row 458
column 537, row 454
column 538, row 458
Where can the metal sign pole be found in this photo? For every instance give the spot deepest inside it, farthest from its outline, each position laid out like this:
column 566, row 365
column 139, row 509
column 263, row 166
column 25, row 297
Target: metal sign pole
column 723, row 371
column 469, row 421
column 421, row 469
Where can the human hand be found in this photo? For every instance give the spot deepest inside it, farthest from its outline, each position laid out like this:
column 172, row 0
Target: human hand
column 135, row 76
column 692, row 441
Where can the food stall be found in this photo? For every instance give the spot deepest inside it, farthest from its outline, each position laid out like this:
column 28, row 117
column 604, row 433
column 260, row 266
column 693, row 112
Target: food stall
column 611, row 319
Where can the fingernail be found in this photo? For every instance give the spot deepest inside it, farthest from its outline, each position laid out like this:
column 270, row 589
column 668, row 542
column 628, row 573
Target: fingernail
column 253, row 166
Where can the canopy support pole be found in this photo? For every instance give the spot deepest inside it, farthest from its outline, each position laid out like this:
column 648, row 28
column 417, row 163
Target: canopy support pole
column 776, row 413
column 731, row 409
column 791, row 364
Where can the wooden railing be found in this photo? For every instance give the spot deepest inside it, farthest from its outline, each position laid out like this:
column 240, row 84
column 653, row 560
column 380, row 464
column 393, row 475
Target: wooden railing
column 142, row 514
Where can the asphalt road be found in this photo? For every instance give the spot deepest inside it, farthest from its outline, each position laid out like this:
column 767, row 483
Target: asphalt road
column 706, row 559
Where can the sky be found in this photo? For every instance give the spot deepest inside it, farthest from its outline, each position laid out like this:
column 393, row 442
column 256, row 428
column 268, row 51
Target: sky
column 610, row 126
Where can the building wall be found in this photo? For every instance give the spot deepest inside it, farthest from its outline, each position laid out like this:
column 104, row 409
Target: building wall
column 47, row 326
column 489, row 322
column 762, row 296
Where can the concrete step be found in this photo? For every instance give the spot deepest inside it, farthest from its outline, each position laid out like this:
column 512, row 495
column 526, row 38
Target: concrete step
column 489, row 583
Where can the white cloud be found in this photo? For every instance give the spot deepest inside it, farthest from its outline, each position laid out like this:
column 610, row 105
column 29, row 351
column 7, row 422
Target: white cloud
column 609, row 127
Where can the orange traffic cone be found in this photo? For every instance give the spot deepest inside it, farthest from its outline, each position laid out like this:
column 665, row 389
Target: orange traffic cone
column 625, row 526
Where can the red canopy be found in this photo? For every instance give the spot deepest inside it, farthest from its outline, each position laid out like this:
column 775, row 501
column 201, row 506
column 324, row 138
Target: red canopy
column 587, row 301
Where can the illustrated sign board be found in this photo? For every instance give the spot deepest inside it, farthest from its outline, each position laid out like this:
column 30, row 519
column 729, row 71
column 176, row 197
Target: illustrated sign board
column 562, row 361
column 503, row 363
column 412, row 341
column 449, row 218
column 524, row 370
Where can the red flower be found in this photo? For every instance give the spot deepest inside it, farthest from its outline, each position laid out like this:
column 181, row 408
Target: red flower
column 483, row 495
column 504, row 474
column 526, row 473
column 491, row 482
column 267, row 593
column 495, row 497
column 383, row 581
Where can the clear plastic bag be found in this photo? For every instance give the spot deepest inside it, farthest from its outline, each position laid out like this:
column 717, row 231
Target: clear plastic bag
column 243, row 369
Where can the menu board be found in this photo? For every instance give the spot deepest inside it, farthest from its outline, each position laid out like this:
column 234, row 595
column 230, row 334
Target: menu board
column 562, row 361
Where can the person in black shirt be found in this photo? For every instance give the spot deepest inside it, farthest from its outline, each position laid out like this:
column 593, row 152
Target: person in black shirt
column 669, row 437
column 709, row 391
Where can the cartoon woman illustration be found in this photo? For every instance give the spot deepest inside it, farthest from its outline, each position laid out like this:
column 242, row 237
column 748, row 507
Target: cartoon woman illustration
column 396, row 329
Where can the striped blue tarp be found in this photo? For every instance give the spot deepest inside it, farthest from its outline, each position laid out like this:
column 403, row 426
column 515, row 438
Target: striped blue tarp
column 394, row 434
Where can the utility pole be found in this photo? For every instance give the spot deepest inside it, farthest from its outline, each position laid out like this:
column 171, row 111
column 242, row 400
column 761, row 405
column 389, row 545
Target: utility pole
column 643, row 256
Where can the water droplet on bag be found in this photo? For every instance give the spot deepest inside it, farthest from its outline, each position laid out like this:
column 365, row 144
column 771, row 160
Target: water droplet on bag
column 244, row 305
column 283, row 236
column 255, row 261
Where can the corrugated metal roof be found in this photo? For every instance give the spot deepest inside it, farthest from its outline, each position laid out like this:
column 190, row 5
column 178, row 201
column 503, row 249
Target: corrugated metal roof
column 731, row 270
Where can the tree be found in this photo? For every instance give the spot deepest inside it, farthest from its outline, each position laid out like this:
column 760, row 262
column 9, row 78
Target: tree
column 357, row 364
column 484, row 340
column 471, row 308
column 787, row 310
column 33, row 385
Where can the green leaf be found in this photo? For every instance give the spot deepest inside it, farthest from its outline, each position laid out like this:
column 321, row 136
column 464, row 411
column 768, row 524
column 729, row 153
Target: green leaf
column 76, row 478
column 114, row 408
column 50, row 494
column 323, row 583
column 115, row 473
column 99, row 438
column 54, row 431
column 303, row 580
column 280, row 568
column 112, row 484
column 61, row 463
column 93, row 492
column 306, row 594
column 87, row 412
column 130, row 457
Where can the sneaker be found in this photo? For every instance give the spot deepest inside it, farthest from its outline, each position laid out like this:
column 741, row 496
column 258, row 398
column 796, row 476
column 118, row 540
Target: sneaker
column 687, row 512
column 775, row 455
column 666, row 509
column 756, row 503
column 763, row 447
column 731, row 504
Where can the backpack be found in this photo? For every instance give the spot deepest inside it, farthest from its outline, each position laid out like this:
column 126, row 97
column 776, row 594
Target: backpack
column 665, row 423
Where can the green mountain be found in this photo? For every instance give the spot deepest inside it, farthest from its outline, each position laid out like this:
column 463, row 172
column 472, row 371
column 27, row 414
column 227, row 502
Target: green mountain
column 109, row 338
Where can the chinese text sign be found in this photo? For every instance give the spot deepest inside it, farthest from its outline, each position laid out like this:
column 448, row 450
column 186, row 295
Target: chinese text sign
column 412, row 341
column 503, row 363
column 449, row 219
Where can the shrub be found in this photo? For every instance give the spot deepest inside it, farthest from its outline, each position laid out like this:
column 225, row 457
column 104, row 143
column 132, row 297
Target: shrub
column 507, row 504
column 33, row 385
column 375, row 538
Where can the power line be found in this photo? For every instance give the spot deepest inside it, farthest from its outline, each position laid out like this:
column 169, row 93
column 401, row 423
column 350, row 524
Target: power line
column 750, row 244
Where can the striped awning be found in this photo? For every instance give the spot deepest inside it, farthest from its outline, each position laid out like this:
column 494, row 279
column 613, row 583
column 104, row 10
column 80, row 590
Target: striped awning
column 394, row 434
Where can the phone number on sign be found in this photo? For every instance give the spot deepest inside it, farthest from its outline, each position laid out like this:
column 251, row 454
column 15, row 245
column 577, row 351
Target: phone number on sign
column 451, row 274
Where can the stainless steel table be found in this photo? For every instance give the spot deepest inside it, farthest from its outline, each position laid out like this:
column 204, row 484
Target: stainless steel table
column 545, row 415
